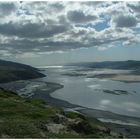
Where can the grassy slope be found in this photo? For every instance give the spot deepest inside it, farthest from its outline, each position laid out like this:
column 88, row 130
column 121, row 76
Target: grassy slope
column 22, row 118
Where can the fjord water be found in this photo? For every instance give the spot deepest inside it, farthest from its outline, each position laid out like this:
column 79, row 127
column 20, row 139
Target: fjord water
column 89, row 92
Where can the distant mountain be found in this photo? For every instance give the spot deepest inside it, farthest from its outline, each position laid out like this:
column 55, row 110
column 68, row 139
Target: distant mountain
column 11, row 71
column 130, row 64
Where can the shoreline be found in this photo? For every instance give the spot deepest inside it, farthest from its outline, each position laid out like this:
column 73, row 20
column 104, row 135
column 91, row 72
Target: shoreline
column 130, row 125
column 45, row 94
column 50, row 87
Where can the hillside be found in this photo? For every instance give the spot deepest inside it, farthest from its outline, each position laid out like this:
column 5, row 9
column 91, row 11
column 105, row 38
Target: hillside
column 11, row 71
column 130, row 64
column 25, row 118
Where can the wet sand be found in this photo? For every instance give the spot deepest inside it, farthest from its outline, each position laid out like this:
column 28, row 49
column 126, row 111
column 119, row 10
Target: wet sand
column 45, row 95
column 126, row 78
column 129, row 78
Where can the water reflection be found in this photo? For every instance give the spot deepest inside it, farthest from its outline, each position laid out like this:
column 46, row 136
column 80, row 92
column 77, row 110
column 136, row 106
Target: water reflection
column 89, row 92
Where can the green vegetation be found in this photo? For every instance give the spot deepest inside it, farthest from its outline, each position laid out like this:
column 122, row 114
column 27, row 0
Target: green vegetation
column 24, row 118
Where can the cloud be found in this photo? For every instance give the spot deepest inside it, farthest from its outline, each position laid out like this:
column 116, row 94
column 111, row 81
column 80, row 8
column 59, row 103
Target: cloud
column 105, row 102
column 19, row 46
column 5, row 53
column 44, row 27
column 93, row 3
column 104, row 48
column 57, row 7
column 31, row 30
column 125, row 21
column 135, row 6
column 80, row 17
column 6, row 8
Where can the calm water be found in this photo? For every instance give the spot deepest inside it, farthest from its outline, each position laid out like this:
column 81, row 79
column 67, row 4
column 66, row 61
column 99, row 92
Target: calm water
column 88, row 92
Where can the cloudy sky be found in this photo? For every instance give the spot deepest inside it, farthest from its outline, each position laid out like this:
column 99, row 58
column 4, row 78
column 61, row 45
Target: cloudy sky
column 49, row 33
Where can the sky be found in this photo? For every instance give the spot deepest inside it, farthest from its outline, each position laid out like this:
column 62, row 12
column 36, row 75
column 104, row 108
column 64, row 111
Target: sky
column 56, row 33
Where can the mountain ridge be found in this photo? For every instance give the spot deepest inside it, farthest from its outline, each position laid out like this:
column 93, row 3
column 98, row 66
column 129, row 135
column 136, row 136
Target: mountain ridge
column 129, row 64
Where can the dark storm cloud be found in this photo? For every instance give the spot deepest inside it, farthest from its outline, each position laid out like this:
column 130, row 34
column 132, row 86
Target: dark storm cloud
column 7, row 8
column 80, row 17
column 125, row 21
column 31, row 30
